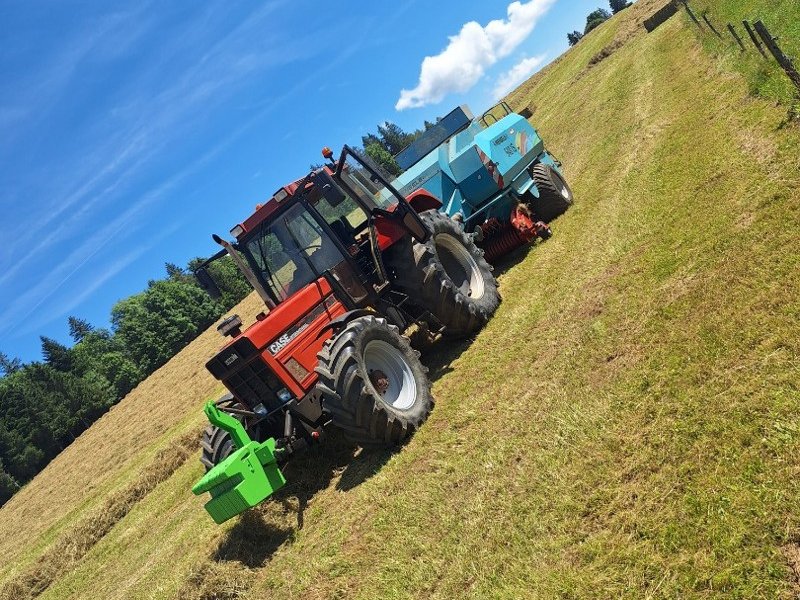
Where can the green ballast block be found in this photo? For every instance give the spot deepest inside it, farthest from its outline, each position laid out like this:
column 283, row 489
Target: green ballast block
column 247, row 477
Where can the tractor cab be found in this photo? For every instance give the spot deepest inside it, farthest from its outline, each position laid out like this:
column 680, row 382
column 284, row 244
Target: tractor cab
column 332, row 225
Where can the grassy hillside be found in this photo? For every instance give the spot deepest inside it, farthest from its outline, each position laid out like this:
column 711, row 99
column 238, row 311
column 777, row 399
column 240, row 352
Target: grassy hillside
column 628, row 425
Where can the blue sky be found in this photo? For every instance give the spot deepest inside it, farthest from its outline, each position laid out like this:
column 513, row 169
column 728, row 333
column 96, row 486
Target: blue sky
column 129, row 132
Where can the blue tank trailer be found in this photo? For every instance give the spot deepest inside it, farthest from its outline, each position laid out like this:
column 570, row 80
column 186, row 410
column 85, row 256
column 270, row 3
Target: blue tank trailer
column 492, row 174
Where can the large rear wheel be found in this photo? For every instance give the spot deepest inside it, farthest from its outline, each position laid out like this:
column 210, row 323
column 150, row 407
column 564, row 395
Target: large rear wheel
column 373, row 385
column 447, row 275
column 555, row 195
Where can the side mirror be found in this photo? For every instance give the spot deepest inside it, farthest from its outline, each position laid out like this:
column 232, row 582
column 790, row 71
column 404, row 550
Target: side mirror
column 333, row 195
column 415, row 226
column 206, row 282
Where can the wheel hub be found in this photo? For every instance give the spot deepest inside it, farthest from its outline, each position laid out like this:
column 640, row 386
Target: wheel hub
column 459, row 265
column 380, row 380
column 390, row 375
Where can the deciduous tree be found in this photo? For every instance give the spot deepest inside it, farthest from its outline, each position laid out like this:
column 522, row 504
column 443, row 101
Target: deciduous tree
column 595, row 18
column 574, row 37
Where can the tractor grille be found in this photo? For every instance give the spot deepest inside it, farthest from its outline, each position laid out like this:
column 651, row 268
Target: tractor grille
column 242, row 370
column 254, row 383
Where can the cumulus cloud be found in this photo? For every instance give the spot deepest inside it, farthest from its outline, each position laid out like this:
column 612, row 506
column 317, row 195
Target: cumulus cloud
column 516, row 75
column 467, row 56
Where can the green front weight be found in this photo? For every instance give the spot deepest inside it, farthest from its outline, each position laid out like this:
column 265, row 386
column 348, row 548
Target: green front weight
column 247, row 477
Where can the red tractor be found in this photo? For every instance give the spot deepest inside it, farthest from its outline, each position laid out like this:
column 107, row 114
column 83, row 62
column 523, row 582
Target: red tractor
column 344, row 264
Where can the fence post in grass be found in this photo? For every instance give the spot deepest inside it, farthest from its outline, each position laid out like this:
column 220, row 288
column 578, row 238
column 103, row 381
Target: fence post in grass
column 754, row 39
column 771, row 43
column 691, row 14
column 711, row 25
column 736, row 37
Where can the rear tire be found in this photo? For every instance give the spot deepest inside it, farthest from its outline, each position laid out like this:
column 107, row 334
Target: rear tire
column 216, row 444
column 555, row 195
column 446, row 275
column 373, row 385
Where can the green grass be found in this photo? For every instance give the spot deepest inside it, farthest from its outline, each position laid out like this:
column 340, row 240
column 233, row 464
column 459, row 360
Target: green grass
column 627, row 425
column 764, row 77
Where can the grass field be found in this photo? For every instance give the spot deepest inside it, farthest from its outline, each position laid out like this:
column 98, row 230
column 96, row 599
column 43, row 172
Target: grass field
column 627, row 425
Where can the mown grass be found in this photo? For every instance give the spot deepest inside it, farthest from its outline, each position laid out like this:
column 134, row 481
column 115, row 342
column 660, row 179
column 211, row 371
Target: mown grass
column 73, row 545
column 626, row 426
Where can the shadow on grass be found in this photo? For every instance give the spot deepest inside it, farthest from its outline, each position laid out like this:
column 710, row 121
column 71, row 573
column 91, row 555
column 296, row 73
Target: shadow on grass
column 252, row 541
column 506, row 262
column 256, row 536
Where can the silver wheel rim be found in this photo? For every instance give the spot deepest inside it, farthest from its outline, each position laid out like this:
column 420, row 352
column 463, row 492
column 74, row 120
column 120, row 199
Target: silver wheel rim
column 381, row 357
column 459, row 265
column 562, row 186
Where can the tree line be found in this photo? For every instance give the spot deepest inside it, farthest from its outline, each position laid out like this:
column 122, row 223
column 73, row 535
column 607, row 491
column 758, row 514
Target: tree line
column 387, row 143
column 45, row 405
column 596, row 17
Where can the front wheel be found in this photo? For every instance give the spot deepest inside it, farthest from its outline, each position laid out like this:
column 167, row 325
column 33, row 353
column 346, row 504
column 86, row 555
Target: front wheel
column 373, row 384
column 216, row 444
column 555, row 195
column 446, row 275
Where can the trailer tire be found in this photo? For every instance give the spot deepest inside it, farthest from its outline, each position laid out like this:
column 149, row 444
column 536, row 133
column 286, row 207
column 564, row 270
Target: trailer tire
column 216, row 444
column 366, row 356
column 446, row 275
column 555, row 195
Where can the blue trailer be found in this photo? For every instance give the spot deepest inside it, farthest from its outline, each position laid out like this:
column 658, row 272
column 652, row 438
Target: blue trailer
column 492, row 174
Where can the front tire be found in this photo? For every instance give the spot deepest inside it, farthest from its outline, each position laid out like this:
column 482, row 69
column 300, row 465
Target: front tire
column 216, row 444
column 555, row 195
column 373, row 385
column 446, row 275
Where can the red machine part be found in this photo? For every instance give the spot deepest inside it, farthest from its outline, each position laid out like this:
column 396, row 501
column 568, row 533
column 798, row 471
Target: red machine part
column 502, row 237
column 389, row 231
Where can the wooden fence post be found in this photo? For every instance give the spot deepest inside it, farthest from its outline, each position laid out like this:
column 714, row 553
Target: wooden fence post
column 711, row 25
column 691, row 14
column 783, row 60
column 735, row 35
column 753, row 37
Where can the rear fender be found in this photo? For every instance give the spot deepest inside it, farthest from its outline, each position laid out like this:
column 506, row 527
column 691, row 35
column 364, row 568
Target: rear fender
column 339, row 322
column 422, row 200
column 390, row 230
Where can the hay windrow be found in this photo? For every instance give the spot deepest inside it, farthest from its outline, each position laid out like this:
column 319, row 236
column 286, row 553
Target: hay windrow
column 217, row 581
column 73, row 545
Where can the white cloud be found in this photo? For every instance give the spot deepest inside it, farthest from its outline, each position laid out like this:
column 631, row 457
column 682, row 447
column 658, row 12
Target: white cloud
column 516, row 75
column 465, row 60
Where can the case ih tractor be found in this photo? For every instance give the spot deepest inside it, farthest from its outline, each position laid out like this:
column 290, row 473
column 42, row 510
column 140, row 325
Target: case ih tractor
column 344, row 264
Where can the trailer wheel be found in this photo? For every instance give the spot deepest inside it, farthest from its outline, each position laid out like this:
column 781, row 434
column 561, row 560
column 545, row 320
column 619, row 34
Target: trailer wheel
column 216, row 444
column 373, row 385
column 555, row 195
column 447, row 275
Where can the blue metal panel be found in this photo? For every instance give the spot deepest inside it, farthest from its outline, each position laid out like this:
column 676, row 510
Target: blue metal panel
column 456, row 120
column 420, row 175
column 511, row 143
